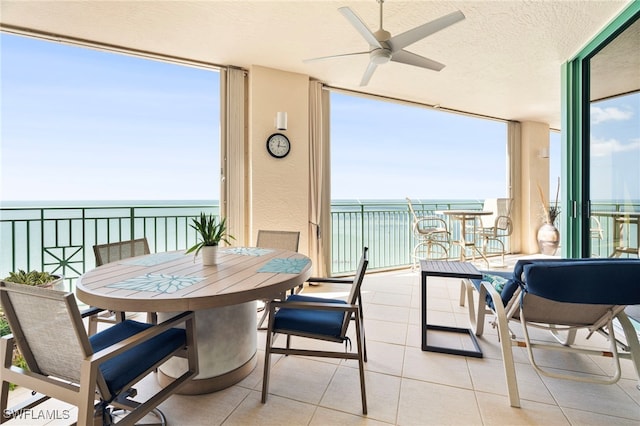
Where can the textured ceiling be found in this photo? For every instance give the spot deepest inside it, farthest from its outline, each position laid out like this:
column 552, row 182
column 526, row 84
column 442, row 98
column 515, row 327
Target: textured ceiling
column 502, row 61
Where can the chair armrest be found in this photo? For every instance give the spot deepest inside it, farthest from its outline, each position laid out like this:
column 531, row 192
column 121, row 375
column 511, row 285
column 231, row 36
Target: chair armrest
column 128, row 343
column 330, row 280
column 91, row 311
column 314, row 306
column 498, row 307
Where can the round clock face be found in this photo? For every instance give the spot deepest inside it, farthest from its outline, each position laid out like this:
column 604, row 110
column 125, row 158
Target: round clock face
column 278, row 145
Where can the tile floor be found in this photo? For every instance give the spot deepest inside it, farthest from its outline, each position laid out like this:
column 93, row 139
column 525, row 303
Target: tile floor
column 406, row 386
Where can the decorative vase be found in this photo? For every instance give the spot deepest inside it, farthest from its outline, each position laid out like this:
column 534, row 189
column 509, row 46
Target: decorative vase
column 209, row 255
column 548, row 239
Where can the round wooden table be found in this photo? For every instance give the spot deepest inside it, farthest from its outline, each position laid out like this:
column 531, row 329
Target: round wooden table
column 223, row 296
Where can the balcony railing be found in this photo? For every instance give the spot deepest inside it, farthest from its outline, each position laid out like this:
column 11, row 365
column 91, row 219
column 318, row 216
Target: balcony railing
column 60, row 239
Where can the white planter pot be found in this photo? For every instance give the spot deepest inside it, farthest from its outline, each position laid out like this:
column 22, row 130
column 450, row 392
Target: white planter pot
column 57, row 284
column 209, row 255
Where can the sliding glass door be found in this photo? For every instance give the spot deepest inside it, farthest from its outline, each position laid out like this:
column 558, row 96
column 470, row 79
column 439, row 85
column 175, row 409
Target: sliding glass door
column 613, row 146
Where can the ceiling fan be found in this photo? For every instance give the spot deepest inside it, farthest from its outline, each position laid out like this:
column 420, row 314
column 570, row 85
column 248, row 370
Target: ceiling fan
column 384, row 48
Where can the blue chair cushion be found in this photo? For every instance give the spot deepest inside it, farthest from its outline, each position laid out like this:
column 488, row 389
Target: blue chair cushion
column 326, row 323
column 124, row 368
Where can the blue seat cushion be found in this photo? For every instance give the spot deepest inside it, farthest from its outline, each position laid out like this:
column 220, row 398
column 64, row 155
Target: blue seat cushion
column 311, row 321
column 124, row 368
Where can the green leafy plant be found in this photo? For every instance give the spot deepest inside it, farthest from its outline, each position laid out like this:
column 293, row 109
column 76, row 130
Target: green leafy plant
column 17, row 358
column 210, row 232
column 31, row 278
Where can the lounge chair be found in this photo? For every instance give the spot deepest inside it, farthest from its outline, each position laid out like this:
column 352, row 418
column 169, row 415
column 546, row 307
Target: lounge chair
column 561, row 296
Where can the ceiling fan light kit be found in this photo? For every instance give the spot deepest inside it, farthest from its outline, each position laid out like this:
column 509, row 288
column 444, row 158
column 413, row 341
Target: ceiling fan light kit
column 384, row 48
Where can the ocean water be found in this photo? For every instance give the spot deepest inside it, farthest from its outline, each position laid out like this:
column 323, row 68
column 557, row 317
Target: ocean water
column 47, row 234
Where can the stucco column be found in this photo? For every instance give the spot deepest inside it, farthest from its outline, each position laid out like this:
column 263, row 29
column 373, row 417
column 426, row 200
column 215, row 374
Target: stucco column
column 533, row 170
column 278, row 187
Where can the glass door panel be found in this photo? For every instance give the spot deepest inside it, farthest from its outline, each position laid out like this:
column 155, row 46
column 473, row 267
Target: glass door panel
column 614, row 147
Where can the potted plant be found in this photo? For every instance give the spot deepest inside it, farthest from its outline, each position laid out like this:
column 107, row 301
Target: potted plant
column 32, row 278
column 35, row 278
column 210, row 233
column 548, row 234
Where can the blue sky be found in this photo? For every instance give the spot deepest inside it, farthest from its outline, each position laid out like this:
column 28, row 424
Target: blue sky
column 80, row 124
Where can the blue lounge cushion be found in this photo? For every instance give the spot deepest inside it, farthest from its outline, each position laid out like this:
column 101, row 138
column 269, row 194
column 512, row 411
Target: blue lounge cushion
column 610, row 282
column 124, row 368
column 326, row 323
column 517, row 277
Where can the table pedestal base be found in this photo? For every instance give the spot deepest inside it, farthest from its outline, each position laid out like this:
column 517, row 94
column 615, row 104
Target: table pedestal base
column 199, row 386
column 227, row 341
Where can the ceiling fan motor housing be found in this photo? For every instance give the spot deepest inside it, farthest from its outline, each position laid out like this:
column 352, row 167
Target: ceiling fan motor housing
column 380, row 56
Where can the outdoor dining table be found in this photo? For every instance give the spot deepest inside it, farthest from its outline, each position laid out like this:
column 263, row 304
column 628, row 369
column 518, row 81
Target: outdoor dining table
column 223, row 297
column 464, row 216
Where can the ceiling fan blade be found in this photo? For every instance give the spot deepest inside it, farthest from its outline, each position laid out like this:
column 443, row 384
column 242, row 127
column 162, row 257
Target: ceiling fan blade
column 403, row 40
column 360, row 26
column 335, row 56
column 368, row 73
column 409, row 58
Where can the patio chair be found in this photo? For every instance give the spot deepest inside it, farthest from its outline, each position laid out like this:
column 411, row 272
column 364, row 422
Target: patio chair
column 561, row 296
column 285, row 240
column 596, row 233
column 66, row 364
column 432, row 238
column 494, row 229
column 321, row 319
column 112, row 252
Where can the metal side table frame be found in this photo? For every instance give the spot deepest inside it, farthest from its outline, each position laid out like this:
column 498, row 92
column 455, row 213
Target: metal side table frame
column 446, row 269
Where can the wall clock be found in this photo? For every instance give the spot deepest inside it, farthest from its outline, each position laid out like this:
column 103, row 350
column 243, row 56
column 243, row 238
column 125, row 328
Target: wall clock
column 278, row 145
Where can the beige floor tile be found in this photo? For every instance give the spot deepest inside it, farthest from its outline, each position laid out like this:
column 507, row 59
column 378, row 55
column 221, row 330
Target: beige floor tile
column 589, row 418
column 631, row 388
column 325, row 416
column 201, row 410
column 383, row 357
column 276, row 411
column 387, row 313
column 382, row 390
column 423, row 403
column 415, row 316
column 384, row 331
column 603, row 399
column 301, row 379
column 495, row 410
column 433, row 367
column 488, row 376
column 381, row 284
column 439, row 317
column 391, row 299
